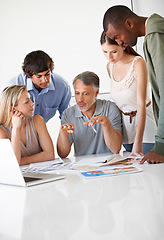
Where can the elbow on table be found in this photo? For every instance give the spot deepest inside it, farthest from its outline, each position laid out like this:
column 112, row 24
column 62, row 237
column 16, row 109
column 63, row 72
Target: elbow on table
column 50, row 155
column 62, row 154
column 18, row 157
column 116, row 148
column 116, row 143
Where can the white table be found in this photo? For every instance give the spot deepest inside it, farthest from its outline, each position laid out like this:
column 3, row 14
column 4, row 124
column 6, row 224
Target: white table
column 126, row 207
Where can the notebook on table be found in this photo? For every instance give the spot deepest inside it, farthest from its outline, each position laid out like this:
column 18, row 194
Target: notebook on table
column 10, row 172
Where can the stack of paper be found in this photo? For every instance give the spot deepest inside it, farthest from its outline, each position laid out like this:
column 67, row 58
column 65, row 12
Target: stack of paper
column 44, row 166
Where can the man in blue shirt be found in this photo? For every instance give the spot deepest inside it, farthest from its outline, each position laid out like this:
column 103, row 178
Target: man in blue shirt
column 49, row 91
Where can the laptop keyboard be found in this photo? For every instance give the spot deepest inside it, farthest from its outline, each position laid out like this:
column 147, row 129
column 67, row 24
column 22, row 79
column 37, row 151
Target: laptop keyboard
column 30, row 179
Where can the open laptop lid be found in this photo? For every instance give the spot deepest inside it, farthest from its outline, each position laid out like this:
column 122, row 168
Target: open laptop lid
column 10, row 172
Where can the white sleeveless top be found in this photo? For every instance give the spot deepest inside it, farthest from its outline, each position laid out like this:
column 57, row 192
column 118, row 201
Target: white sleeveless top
column 124, row 94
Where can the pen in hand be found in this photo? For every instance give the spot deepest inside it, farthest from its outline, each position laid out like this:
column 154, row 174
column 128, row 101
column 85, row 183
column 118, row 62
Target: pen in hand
column 91, row 125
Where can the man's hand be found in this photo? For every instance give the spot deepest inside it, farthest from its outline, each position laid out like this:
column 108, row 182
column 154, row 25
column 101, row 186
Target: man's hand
column 103, row 120
column 152, row 157
column 63, row 144
column 69, row 127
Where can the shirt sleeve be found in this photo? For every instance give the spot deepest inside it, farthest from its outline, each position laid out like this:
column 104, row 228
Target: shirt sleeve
column 65, row 100
column 17, row 80
column 115, row 116
column 156, row 49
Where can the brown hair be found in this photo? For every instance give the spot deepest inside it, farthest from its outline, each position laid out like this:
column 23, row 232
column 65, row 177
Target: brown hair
column 105, row 39
column 36, row 62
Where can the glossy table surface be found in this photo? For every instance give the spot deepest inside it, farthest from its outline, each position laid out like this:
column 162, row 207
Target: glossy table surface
column 126, row 207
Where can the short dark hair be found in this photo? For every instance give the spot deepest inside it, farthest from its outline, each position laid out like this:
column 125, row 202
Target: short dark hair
column 117, row 15
column 88, row 78
column 105, row 39
column 37, row 61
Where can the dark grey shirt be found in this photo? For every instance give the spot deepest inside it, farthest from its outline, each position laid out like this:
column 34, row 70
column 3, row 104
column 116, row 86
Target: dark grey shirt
column 85, row 140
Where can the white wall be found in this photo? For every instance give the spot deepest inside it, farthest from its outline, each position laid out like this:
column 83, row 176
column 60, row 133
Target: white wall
column 68, row 30
column 146, row 8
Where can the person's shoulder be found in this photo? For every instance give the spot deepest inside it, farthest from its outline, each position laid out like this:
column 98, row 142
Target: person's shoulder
column 105, row 103
column 108, row 65
column 18, row 80
column 58, row 78
column 108, row 68
column 38, row 121
column 110, row 104
column 70, row 110
column 138, row 59
column 60, row 83
column 110, row 109
column 140, row 63
column 2, row 132
column 69, row 114
column 155, row 17
column 36, row 118
column 155, row 23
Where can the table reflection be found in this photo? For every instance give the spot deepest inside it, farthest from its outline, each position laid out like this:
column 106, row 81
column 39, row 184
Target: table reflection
column 12, row 203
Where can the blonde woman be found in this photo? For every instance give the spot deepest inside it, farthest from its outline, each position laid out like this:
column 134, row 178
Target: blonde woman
column 28, row 134
column 128, row 83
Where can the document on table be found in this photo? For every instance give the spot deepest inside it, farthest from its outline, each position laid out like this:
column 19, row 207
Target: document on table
column 56, row 164
column 111, row 171
column 124, row 166
column 91, row 163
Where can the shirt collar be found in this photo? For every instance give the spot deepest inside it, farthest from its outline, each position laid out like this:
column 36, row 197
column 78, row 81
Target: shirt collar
column 98, row 109
column 30, row 86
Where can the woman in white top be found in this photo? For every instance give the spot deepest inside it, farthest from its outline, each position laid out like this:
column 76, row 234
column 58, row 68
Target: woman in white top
column 128, row 89
column 28, row 134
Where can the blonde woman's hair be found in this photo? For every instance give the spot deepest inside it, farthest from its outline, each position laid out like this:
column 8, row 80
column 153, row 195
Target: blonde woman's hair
column 8, row 100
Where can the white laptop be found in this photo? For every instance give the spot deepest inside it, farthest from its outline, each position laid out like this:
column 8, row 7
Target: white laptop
column 10, row 172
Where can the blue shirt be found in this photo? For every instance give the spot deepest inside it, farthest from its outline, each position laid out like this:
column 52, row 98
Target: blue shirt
column 55, row 97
